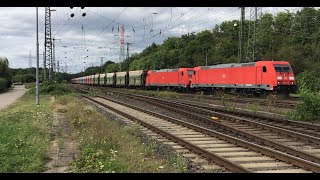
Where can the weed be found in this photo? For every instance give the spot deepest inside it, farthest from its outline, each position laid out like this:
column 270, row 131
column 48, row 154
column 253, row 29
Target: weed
column 222, row 101
column 254, row 107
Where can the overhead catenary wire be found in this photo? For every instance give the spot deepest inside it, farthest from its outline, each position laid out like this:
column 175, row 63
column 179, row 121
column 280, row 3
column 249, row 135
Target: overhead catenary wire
column 111, row 22
column 61, row 26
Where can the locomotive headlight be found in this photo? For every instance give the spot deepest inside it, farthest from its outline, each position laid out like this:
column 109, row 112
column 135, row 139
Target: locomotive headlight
column 279, row 77
column 291, row 78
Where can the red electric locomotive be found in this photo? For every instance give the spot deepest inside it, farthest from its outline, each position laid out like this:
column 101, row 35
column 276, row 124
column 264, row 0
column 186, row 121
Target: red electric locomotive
column 179, row 78
column 259, row 77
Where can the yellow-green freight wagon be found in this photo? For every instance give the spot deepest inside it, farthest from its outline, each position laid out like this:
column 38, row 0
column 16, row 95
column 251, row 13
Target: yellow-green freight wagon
column 102, row 79
column 96, row 79
column 121, row 79
column 137, row 78
column 111, row 79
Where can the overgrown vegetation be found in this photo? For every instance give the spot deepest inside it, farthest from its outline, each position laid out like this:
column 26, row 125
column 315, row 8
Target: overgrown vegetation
column 51, row 88
column 24, row 135
column 308, row 81
column 108, row 147
column 254, row 107
column 308, row 109
column 24, row 78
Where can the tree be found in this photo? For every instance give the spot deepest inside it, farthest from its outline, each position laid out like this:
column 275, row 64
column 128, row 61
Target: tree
column 5, row 71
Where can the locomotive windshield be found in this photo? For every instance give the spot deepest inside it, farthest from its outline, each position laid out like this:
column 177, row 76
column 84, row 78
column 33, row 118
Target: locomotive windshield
column 282, row 68
column 190, row 72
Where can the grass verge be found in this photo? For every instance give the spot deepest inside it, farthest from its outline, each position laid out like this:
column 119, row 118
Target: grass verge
column 106, row 146
column 25, row 135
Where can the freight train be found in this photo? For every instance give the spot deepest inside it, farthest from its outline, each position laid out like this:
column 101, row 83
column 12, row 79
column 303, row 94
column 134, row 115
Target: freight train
column 258, row 78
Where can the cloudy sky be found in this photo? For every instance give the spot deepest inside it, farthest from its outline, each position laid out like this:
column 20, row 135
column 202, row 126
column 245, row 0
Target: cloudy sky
column 82, row 41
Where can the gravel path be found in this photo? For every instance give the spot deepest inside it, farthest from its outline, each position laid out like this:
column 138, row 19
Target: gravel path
column 11, row 96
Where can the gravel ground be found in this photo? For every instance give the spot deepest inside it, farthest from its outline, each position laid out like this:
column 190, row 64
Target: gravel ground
column 263, row 108
column 160, row 110
column 248, row 106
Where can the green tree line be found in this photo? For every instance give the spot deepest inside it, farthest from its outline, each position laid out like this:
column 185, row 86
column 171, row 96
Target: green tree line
column 292, row 37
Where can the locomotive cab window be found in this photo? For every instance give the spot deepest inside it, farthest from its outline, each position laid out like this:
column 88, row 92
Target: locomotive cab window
column 182, row 73
column 282, row 68
column 264, row 69
column 194, row 72
column 190, row 72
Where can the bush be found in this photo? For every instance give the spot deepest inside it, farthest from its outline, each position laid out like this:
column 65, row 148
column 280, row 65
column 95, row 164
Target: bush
column 30, row 85
column 308, row 109
column 308, row 81
column 51, row 88
column 3, row 84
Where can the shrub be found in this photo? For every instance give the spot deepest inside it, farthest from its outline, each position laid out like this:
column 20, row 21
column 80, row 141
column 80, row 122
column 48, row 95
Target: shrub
column 51, row 88
column 3, row 84
column 308, row 109
column 308, row 81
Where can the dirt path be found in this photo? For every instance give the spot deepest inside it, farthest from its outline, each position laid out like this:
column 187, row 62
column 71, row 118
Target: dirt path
column 11, row 96
column 63, row 147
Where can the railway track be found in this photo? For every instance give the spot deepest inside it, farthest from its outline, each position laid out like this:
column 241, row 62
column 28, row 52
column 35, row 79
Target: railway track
column 289, row 104
column 301, row 127
column 297, row 144
column 232, row 153
column 263, row 102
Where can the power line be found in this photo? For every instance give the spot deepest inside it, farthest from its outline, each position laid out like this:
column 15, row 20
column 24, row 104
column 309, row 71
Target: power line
column 64, row 23
column 111, row 22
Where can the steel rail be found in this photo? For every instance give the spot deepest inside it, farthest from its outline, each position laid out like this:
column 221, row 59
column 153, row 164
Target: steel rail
column 270, row 143
column 264, row 150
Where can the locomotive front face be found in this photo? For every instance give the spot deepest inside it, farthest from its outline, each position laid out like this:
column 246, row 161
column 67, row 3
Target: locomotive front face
column 284, row 74
column 285, row 80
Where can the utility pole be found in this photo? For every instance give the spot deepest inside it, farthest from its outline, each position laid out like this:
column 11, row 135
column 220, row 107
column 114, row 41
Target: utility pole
column 58, row 68
column 128, row 56
column 253, row 50
column 101, row 70
column 30, row 60
column 207, row 58
column 54, row 55
column 121, row 55
column 48, row 41
column 44, row 67
column 37, row 68
column 241, row 34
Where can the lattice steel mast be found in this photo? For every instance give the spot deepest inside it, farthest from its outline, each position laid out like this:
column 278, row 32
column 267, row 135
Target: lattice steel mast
column 253, row 48
column 122, row 53
column 48, row 43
